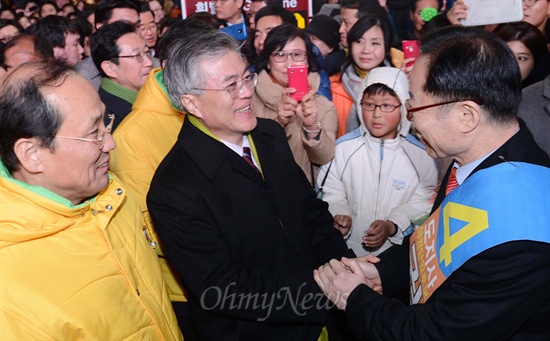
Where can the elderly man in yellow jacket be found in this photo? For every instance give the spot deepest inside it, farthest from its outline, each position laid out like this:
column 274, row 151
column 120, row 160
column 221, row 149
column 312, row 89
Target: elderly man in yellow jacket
column 77, row 260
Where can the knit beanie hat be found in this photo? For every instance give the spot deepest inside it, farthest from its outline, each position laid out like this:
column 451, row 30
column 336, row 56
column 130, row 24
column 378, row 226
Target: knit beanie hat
column 325, row 28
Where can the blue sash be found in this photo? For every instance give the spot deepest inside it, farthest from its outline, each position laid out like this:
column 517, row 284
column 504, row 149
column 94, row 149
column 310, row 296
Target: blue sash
column 503, row 203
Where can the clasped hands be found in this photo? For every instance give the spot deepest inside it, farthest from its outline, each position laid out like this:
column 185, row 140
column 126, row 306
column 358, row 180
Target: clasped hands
column 337, row 279
column 375, row 236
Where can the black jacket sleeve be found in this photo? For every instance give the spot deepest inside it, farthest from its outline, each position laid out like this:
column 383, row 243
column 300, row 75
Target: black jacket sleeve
column 500, row 294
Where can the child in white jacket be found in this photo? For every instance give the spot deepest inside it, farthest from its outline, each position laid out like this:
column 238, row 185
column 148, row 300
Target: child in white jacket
column 380, row 180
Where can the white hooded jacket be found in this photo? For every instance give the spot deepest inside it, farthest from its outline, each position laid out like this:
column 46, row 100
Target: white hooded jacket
column 372, row 179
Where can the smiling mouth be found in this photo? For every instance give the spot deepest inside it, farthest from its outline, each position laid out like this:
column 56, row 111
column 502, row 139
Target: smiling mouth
column 243, row 110
column 105, row 164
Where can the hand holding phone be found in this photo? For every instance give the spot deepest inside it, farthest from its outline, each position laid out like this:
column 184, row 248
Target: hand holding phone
column 411, row 49
column 297, row 79
column 237, row 31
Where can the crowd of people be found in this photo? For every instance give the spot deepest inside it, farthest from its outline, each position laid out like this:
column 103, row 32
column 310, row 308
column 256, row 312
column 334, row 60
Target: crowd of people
column 164, row 178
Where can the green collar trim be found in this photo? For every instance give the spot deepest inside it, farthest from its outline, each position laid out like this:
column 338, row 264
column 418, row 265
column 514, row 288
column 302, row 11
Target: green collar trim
column 118, row 90
column 200, row 126
column 159, row 77
column 6, row 175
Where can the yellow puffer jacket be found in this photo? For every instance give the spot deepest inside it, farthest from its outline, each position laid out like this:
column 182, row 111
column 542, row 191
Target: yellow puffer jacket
column 143, row 139
column 78, row 272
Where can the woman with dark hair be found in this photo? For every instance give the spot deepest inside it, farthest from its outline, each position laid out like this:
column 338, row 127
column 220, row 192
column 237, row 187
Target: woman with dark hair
column 310, row 123
column 48, row 8
column 528, row 45
column 369, row 42
column 9, row 29
column 23, row 20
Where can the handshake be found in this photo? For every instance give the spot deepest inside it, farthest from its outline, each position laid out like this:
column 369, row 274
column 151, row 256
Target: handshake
column 337, row 279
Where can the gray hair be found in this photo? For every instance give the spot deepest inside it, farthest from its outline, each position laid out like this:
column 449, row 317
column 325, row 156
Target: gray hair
column 182, row 74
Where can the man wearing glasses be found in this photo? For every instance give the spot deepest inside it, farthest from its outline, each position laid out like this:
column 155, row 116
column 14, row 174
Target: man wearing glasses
column 236, row 215
column 77, row 258
column 479, row 267
column 124, row 60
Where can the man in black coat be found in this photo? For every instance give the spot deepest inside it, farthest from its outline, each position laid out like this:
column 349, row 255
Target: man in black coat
column 479, row 266
column 235, row 213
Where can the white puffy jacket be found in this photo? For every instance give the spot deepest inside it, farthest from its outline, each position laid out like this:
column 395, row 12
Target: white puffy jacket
column 372, row 179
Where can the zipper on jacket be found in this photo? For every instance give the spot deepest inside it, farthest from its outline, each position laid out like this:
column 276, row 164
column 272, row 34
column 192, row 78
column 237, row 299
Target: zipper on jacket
column 148, row 236
column 379, row 179
column 95, row 212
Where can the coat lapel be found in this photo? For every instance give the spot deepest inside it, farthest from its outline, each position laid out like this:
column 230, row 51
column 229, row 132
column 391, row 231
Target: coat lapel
column 209, row 154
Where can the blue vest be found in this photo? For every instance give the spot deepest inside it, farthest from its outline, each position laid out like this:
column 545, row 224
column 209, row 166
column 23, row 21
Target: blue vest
column 503, row 203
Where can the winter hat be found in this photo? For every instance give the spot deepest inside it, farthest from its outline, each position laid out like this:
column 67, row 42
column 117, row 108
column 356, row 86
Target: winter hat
column 325, row 28
column 394, row 79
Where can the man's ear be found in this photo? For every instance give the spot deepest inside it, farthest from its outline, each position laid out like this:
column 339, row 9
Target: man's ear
column 29, row 154
column 109, row 68
column 189, row 102
column 470, row 115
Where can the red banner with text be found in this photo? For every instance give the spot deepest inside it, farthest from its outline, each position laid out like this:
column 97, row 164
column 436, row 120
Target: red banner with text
column 302, row 9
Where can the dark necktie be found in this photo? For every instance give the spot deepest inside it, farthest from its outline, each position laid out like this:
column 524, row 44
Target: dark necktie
column 248, row 158
column 452, row 183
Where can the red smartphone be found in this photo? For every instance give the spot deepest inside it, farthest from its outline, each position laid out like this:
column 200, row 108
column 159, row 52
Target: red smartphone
column 411, row 48
column 297, row 79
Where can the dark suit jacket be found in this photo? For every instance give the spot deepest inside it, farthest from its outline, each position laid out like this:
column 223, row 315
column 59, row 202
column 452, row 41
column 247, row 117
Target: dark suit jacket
column 229, row 233
column 505, row 288
column 114, row 105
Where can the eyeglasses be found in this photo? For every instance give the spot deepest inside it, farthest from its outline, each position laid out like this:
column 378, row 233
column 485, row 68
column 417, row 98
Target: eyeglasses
column 140, row 57
column 367, row 106
column 151, row 27
column 100, row 140
column 410, row 109
column 530, row 3
column 234, row 89
column 281, row 57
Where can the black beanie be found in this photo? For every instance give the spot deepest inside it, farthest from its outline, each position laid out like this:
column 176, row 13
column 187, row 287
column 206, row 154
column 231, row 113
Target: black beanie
column 325, row 28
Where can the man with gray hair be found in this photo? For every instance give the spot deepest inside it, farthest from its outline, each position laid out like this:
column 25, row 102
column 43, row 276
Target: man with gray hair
column 77, row 258
column 235, row 213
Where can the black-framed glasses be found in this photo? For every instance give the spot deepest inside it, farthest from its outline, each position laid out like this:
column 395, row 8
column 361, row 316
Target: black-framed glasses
column 234, row 89
column 140, row 57
column 530, row 3
column 385, row 107
column 281, row 57
column 411, row 109
column 100, row 140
